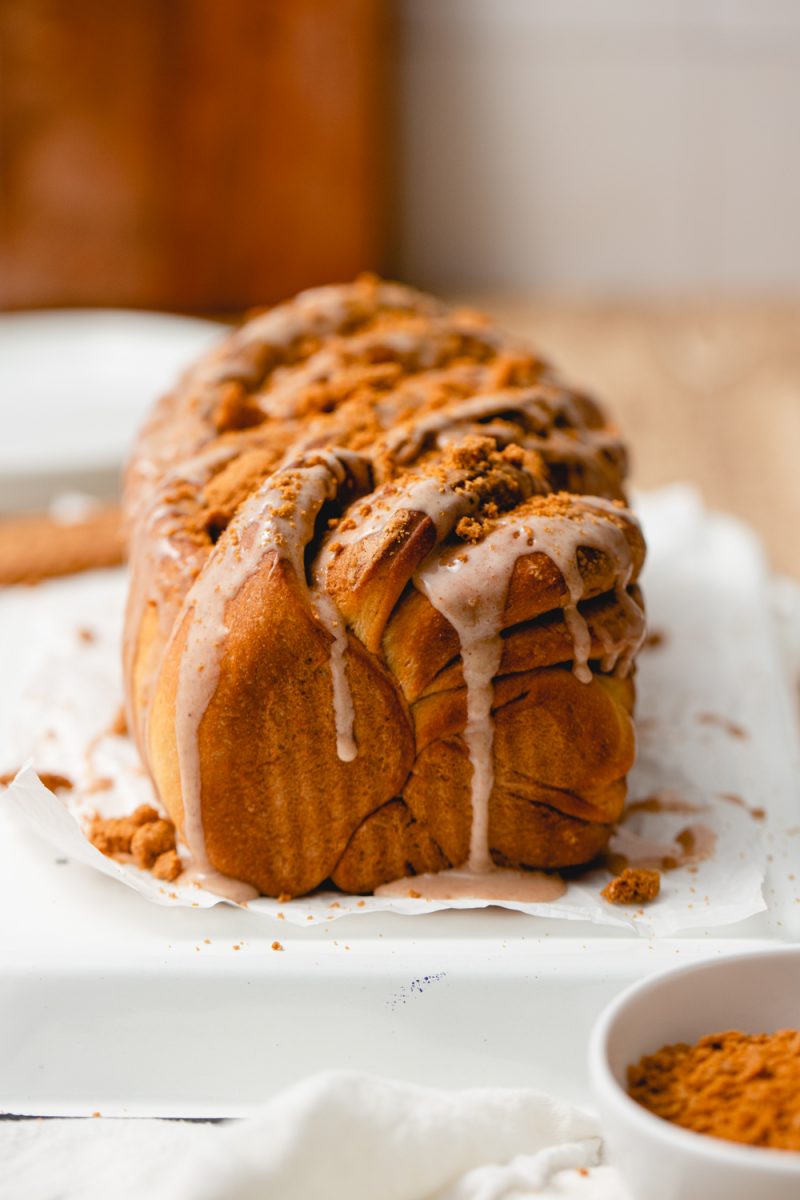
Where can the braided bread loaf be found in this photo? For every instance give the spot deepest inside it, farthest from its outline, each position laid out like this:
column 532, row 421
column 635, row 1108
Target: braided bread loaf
column 383, row 606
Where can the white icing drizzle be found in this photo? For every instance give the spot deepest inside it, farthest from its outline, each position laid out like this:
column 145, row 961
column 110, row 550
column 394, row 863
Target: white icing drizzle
column 158, row 527
column 343, row 710
column 469, row 586
column 428, row 496
column 406, row 443
column 261, row 526
column 214, row 881
column 380, row 514
column 422, row 348
column 525, row 887
column 539, row 405
column 469, row 590
column 469, row 583
column 182, row 421
column 438, row 500
column 620, row 658
column 621, row 661
column 323, row 311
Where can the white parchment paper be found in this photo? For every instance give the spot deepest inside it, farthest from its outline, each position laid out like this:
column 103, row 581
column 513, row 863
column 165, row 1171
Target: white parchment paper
column 714, row 719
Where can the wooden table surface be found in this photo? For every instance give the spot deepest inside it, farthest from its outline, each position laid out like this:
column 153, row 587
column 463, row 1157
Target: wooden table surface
column 704, row 391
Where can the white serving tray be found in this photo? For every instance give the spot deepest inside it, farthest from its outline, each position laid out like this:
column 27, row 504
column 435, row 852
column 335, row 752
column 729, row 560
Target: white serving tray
column 107, row 1004
column 111, row 1004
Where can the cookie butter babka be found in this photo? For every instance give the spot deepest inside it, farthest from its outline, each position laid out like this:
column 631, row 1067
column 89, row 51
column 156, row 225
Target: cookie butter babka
column 383, row 608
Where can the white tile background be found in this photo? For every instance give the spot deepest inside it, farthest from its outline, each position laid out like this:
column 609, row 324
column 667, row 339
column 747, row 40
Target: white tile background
column 599, row 146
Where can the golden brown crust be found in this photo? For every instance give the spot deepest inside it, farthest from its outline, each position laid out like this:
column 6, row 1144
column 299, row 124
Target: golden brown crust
column 388, row 844
column 374, row 408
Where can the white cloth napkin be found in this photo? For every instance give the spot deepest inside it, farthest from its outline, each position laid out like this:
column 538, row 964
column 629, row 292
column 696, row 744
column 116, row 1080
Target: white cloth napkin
column 336, row 1136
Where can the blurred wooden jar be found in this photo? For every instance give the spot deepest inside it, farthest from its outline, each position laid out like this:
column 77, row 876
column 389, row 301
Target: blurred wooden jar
column 187, row 154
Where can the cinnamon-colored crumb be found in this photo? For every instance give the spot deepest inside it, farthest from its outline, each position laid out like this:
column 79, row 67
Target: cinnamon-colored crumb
column 520, row 371
column 469, row 530
column 115, row 835
column 111, row 835
column 758, row 814
column 740, row 1087
column 663, row 802
column 56, row 783
column 167, row 866
column 87, row 635
column 636, row 885
column 730, row 727
column 152, row 840
column 102, row 784
column 225, row 491
column 277, row 946
column 236, row 409
column 144, row 814
column 471, row 454
column 119, row 726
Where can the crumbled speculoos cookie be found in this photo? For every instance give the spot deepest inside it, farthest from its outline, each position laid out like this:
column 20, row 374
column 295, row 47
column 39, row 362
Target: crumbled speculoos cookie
column 50, row 779
column 636, row 885
column 144, row 836
column 167, row 866
column 152, row 840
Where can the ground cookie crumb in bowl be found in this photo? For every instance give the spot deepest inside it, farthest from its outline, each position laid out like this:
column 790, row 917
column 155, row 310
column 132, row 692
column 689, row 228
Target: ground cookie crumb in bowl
column 144, row 838
column 740, row 1087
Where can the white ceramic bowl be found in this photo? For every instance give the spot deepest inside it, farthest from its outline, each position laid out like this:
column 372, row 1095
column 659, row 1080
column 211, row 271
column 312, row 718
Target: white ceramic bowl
column 756, row 993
